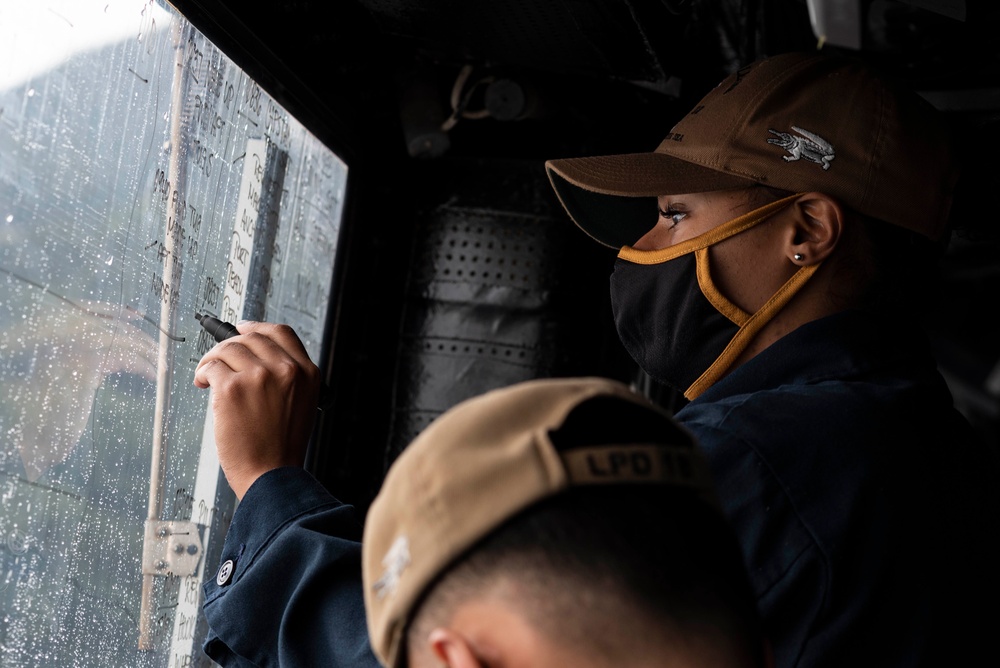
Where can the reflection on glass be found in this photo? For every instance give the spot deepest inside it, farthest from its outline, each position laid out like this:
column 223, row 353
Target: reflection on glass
column 143, row 178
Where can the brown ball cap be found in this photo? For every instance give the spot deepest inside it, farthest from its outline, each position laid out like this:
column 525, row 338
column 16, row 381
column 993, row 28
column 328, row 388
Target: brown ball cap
column 797, row 121
column 484, row 461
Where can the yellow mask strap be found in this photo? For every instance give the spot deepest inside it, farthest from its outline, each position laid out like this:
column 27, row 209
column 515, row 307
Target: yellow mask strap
column 750, row 329
column 735, row 314
column 713, row 236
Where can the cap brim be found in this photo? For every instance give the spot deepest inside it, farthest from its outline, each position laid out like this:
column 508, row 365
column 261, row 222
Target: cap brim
column 609, row 197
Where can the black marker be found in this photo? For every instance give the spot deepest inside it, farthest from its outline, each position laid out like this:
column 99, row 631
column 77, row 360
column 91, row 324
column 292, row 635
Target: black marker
column 222, row 330
column 219, row 329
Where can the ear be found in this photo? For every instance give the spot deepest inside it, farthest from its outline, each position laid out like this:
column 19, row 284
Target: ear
column 818, row 224
column 451, row 649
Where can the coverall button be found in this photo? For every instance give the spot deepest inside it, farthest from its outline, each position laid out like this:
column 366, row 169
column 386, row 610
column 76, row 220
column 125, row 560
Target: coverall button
column 225, row 573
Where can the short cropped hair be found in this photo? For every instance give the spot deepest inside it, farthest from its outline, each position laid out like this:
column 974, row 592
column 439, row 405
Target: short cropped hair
column 589, row 563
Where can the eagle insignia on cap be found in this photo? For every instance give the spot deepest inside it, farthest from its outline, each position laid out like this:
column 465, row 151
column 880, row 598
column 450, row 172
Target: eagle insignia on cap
column 395, row 561
column 810, row 146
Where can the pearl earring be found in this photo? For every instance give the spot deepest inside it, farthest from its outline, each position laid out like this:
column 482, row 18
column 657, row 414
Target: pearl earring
column 799, row 257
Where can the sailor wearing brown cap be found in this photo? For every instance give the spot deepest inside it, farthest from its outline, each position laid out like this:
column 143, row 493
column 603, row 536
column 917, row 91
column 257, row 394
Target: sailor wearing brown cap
column 559, row 522
column 801, row 203
column 775, row 255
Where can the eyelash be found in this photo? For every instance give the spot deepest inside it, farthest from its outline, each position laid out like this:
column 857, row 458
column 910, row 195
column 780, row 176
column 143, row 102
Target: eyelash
column 670, row 213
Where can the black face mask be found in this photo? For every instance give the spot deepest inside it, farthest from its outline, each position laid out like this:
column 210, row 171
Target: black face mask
column 674, row 322
column 671, row 330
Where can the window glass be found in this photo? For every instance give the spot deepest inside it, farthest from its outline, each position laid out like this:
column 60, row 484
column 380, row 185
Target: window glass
column 144, row 178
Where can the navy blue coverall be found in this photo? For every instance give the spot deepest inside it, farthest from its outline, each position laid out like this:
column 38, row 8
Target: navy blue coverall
column 865, row 504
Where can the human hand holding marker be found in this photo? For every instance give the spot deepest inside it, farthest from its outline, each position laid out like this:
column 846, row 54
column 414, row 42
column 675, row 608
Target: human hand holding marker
column 222, row 330
column 264, row 389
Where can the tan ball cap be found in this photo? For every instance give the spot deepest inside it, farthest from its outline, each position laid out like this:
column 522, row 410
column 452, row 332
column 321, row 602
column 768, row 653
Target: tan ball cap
column 484, row 461
column 799, row 122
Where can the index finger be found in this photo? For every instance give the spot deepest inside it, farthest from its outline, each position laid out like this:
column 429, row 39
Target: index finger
column 281, row 334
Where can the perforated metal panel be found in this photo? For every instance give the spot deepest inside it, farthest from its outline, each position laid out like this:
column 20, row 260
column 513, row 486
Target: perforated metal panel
column 497, row 294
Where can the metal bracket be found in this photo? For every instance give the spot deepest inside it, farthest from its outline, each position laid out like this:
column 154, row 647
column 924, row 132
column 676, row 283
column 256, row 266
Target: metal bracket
column 171, row 548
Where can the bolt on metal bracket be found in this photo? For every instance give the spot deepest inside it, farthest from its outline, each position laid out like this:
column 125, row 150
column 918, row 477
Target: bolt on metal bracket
column 171, row 548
